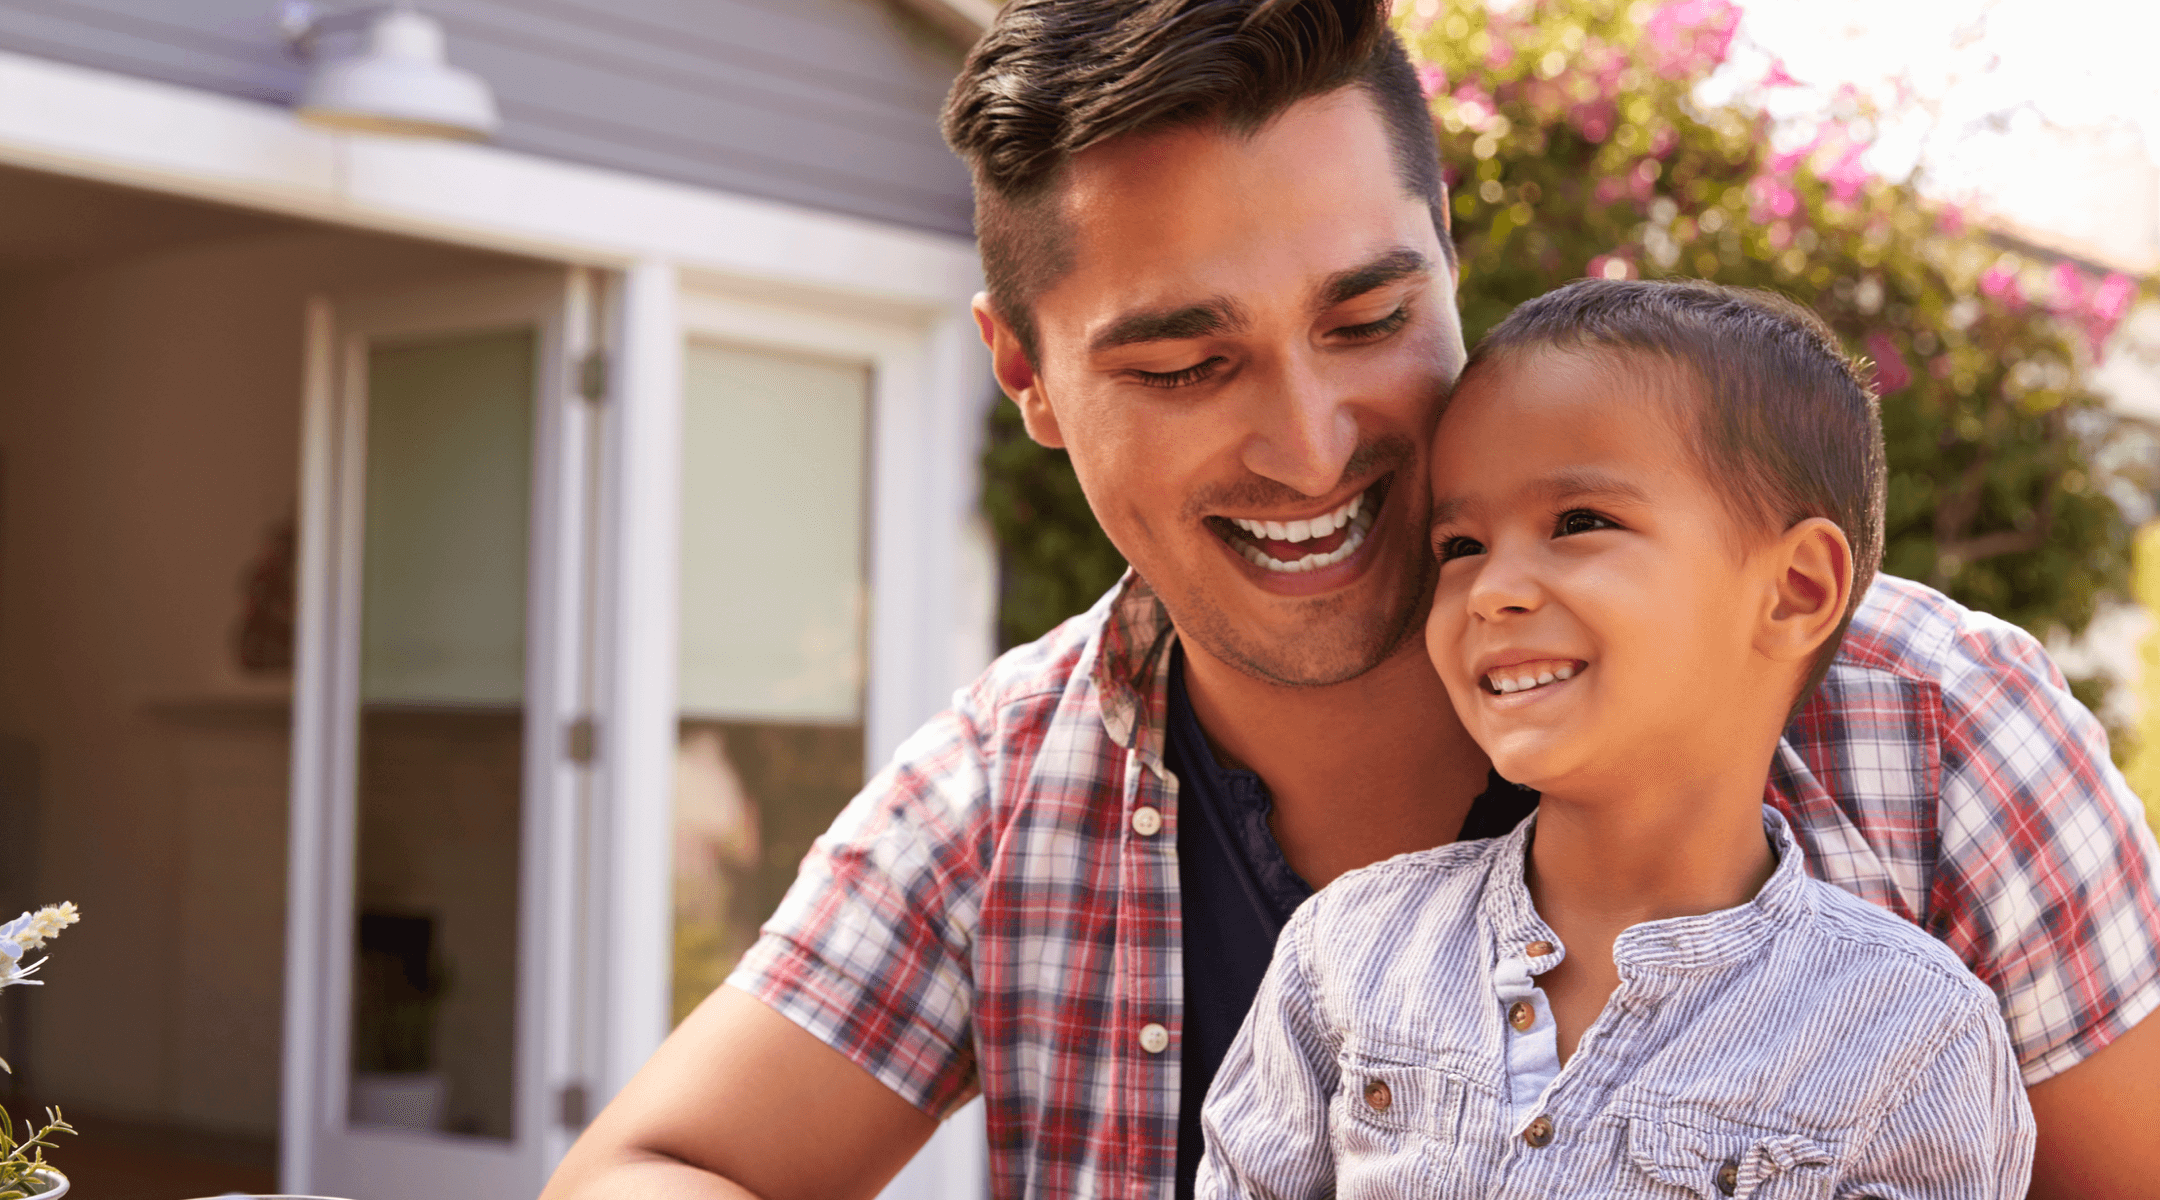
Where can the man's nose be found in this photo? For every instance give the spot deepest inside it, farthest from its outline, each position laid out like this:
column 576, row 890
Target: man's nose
column 1305, row 432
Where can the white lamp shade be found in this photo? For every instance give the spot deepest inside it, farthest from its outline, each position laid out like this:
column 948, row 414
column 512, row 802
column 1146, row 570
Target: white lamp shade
column 400, row 83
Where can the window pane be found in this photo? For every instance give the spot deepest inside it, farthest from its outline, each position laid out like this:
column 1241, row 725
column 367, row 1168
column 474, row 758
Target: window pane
column 775, row 451
column 440, row 778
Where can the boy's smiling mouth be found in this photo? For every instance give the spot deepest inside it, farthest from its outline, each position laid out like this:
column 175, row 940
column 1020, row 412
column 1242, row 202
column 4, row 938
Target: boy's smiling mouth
column 1311, row 544
column 1530, row 675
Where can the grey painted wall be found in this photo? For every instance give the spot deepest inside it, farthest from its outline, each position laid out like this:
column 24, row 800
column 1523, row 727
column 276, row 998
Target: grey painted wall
column 830, row 104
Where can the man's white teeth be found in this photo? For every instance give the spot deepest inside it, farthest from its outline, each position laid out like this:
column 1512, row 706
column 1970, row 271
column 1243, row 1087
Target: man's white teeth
column 1506, row 684
column 1360, row 525
column 1307, row 530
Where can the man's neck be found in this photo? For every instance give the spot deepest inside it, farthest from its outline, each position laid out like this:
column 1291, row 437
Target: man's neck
column 1359, row 771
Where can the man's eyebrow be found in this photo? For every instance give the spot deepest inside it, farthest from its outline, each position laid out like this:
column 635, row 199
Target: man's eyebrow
column 1399, row 263
column 1219, row 315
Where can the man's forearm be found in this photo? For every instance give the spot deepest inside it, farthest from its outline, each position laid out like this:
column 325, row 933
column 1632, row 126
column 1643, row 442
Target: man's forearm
column 640, row 1177
column 2099, row 1123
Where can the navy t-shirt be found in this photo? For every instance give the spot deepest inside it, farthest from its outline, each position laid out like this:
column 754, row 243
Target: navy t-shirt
column 1238, row 892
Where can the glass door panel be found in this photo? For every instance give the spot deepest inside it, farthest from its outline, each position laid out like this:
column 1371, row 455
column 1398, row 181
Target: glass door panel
column 774, row 594
column 441, row 734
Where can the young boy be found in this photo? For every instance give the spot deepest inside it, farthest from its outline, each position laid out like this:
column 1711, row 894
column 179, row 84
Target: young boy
column 1655, row 506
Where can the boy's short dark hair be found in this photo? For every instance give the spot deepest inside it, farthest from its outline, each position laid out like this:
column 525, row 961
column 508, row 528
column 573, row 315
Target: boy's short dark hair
column 1052, row 78
column 1787, row 426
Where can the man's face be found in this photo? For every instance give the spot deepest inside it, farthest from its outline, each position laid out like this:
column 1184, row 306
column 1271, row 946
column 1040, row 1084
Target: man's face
column 1244, row 361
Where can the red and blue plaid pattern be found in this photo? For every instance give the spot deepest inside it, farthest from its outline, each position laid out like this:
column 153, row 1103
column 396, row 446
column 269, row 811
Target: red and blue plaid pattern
column 984, row 917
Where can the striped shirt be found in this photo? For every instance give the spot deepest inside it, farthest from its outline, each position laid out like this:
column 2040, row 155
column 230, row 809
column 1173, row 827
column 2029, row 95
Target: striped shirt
column 994, row 912
column 1803, row 1043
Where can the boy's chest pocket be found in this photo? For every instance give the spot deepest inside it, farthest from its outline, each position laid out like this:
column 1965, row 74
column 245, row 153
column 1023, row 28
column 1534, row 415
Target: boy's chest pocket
column 1709, row 1158
column 1390, row 1120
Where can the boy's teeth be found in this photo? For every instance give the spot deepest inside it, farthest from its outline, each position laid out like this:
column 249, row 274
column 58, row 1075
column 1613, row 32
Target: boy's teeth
column 1530, row 677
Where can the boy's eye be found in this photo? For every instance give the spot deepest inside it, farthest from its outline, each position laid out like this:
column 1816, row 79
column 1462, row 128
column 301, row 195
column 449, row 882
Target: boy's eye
column 1580, row 520
column 1456, row 547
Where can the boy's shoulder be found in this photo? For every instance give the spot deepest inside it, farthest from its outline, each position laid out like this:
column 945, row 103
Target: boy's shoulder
column 1852, row 937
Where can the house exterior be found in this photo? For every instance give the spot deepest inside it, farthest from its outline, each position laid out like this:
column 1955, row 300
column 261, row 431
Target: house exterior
column 444, row 586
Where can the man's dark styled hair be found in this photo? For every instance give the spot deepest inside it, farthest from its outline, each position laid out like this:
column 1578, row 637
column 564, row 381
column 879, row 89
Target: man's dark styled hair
column 1052, row 78
column 1785, row 425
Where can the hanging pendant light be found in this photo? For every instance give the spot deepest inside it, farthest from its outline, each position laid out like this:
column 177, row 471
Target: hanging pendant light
column 400, row 81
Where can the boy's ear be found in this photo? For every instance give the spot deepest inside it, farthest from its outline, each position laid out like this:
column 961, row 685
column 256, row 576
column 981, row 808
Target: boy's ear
column 1812, row 585
column 1015, row 374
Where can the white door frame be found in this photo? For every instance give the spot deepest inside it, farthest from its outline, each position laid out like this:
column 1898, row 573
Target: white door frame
column 318, row 1150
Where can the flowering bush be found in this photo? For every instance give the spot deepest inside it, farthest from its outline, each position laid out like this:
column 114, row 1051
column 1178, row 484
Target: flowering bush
column 1575, row 145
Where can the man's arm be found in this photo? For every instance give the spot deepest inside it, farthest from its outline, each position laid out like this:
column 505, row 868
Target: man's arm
column 2099, row 1123
column 740, row 1102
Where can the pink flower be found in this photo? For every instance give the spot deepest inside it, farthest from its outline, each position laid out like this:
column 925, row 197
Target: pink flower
column 1846, row 176
column 2066, row 288
column 1772, row 198
column 1609, row 266
column 1608, row 190
column 2111, row 300
column 2001, row 283
column 1777, row 78
column 1891, row 373
column 1941, row 367
column 1431, row 78
column 1690, row 36
column 2109, row 304
column 1502, row 53
column 1951, row 220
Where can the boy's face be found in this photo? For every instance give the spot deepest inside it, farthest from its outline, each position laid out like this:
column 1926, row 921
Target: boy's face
column 1255, row 332
column 1578, row 544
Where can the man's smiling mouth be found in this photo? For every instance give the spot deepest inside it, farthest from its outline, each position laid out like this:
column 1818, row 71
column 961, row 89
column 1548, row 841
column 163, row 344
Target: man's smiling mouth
column 1295, row 547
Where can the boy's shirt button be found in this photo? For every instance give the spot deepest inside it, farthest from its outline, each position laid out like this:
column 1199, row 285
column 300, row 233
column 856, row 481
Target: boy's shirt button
column 1521, row 1016
column 1728, row 1178
column 1147, row 820
column 1538, row 949
column 1538, row 1133
column 1377, row 1095
column 1154, row 1038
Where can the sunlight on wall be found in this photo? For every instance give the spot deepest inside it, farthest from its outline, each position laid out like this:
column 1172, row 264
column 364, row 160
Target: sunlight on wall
column 2144, row 767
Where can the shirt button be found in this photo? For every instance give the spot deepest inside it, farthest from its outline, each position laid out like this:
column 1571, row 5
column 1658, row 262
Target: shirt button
column 1521, row 1016
column 1147, row 820
column 1538, row 1133
column 1377, row 1095
column 1728, row 1178
column 1538, row 949
column 1154, row 1038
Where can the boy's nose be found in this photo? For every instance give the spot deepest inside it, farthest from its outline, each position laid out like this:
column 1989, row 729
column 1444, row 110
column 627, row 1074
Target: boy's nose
column 1503, row 586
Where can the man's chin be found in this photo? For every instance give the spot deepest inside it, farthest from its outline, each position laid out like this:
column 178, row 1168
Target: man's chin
column 1311, row 640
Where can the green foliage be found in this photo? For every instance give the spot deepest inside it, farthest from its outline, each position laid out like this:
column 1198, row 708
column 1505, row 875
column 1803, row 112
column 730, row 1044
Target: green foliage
column 1576, row 146
column 20, row 1161
column 1053, row 559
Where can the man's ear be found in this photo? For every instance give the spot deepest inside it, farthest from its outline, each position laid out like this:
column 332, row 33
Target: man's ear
column 1015, row 374
column 1810, row 587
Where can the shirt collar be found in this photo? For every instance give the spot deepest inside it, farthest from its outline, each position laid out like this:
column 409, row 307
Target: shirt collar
column 1708, row 942
column 1132, row 668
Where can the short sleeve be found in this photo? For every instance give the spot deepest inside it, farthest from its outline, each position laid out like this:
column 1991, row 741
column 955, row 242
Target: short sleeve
column 870, row 950
column 2049, row 880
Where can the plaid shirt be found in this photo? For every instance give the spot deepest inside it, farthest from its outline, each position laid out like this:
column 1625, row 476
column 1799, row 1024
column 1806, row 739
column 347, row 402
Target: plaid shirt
column 997, row 911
